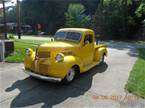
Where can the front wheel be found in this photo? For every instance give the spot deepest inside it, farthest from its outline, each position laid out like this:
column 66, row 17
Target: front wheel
column 70, row 76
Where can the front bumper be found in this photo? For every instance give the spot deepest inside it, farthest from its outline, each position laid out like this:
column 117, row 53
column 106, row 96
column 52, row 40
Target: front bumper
column 46, row 78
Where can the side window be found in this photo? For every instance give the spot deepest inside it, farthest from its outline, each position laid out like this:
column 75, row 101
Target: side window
column 88, row 39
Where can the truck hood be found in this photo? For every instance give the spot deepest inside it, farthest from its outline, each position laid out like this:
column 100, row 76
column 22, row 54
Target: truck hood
column 57, row 46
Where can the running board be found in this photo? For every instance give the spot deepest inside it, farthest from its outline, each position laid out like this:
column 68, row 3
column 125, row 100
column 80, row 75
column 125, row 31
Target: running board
column 88, row 67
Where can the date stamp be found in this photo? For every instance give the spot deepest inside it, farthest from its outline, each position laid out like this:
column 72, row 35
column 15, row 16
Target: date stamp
column 114, row 97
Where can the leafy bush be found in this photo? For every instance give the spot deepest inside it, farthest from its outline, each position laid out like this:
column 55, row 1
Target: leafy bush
column 11, row 36
column 140, row 10
column 75, row 16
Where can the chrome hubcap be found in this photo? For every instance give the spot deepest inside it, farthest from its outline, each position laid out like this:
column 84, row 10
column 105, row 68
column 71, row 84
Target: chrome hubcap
column 71, row 74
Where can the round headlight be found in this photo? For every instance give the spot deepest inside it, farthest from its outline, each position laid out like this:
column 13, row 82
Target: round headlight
column 59, row 57
column 29, row 51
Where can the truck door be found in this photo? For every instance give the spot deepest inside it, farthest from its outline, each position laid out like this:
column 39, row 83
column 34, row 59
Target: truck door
column 88, row 50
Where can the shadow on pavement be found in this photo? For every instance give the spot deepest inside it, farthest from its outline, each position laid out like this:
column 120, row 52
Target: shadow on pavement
column 46, row 94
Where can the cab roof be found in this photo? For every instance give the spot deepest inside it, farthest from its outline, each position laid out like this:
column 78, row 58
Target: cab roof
column 76, row 29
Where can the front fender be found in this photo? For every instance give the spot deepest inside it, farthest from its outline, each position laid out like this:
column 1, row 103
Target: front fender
column 60, row 69
column 71, row 60
column 28, row 61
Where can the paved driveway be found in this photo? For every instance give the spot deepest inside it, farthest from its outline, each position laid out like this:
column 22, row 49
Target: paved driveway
column 101, row 87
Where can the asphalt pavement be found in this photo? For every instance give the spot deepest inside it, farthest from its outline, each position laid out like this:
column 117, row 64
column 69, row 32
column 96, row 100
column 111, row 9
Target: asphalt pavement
column 101, row 87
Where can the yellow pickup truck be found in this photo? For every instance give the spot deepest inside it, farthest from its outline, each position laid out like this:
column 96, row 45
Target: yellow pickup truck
column 72, row 51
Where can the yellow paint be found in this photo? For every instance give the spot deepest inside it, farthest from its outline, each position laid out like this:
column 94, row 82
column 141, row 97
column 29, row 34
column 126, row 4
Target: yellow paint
column 75, row 53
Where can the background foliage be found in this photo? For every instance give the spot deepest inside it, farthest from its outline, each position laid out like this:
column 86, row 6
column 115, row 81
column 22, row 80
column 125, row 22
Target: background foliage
column 119, row 19
column 75, row 16
column 111, row 19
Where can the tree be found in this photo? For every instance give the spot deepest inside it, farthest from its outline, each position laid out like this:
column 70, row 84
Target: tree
column 90, row 6
column 48, row 13
column 51, row 13
column 11, row 14
column 140, row 11
column 108, row 20
column 75, row 16
column 118, row 19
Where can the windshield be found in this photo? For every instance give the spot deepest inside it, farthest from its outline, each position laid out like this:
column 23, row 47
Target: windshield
column 68, row 36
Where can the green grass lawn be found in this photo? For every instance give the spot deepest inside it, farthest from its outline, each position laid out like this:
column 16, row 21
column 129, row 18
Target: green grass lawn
column 20, row 47
column 136, row 81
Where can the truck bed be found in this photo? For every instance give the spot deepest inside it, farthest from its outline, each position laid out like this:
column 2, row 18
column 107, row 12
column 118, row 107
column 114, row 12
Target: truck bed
column 100, row 45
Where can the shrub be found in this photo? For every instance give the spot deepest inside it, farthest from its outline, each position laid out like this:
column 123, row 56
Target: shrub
column 11, row 36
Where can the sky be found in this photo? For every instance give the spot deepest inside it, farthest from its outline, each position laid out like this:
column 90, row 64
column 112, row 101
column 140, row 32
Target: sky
column 13, row 2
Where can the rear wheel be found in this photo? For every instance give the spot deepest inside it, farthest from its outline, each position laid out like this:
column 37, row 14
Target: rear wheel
column 102, row 58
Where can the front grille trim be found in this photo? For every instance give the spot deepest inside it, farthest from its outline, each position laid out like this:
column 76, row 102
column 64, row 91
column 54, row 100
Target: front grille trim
column 43, row 54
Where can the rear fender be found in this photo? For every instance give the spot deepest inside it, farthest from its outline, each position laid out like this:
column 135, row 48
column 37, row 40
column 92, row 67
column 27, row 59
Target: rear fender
column 99, row 52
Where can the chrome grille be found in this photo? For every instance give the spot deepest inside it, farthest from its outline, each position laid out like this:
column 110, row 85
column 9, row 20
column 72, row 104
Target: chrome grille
column 43, row 54
column 43, row 69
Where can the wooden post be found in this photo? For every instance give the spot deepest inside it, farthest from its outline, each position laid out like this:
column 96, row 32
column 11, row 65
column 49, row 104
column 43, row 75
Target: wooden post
column 18, row 20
